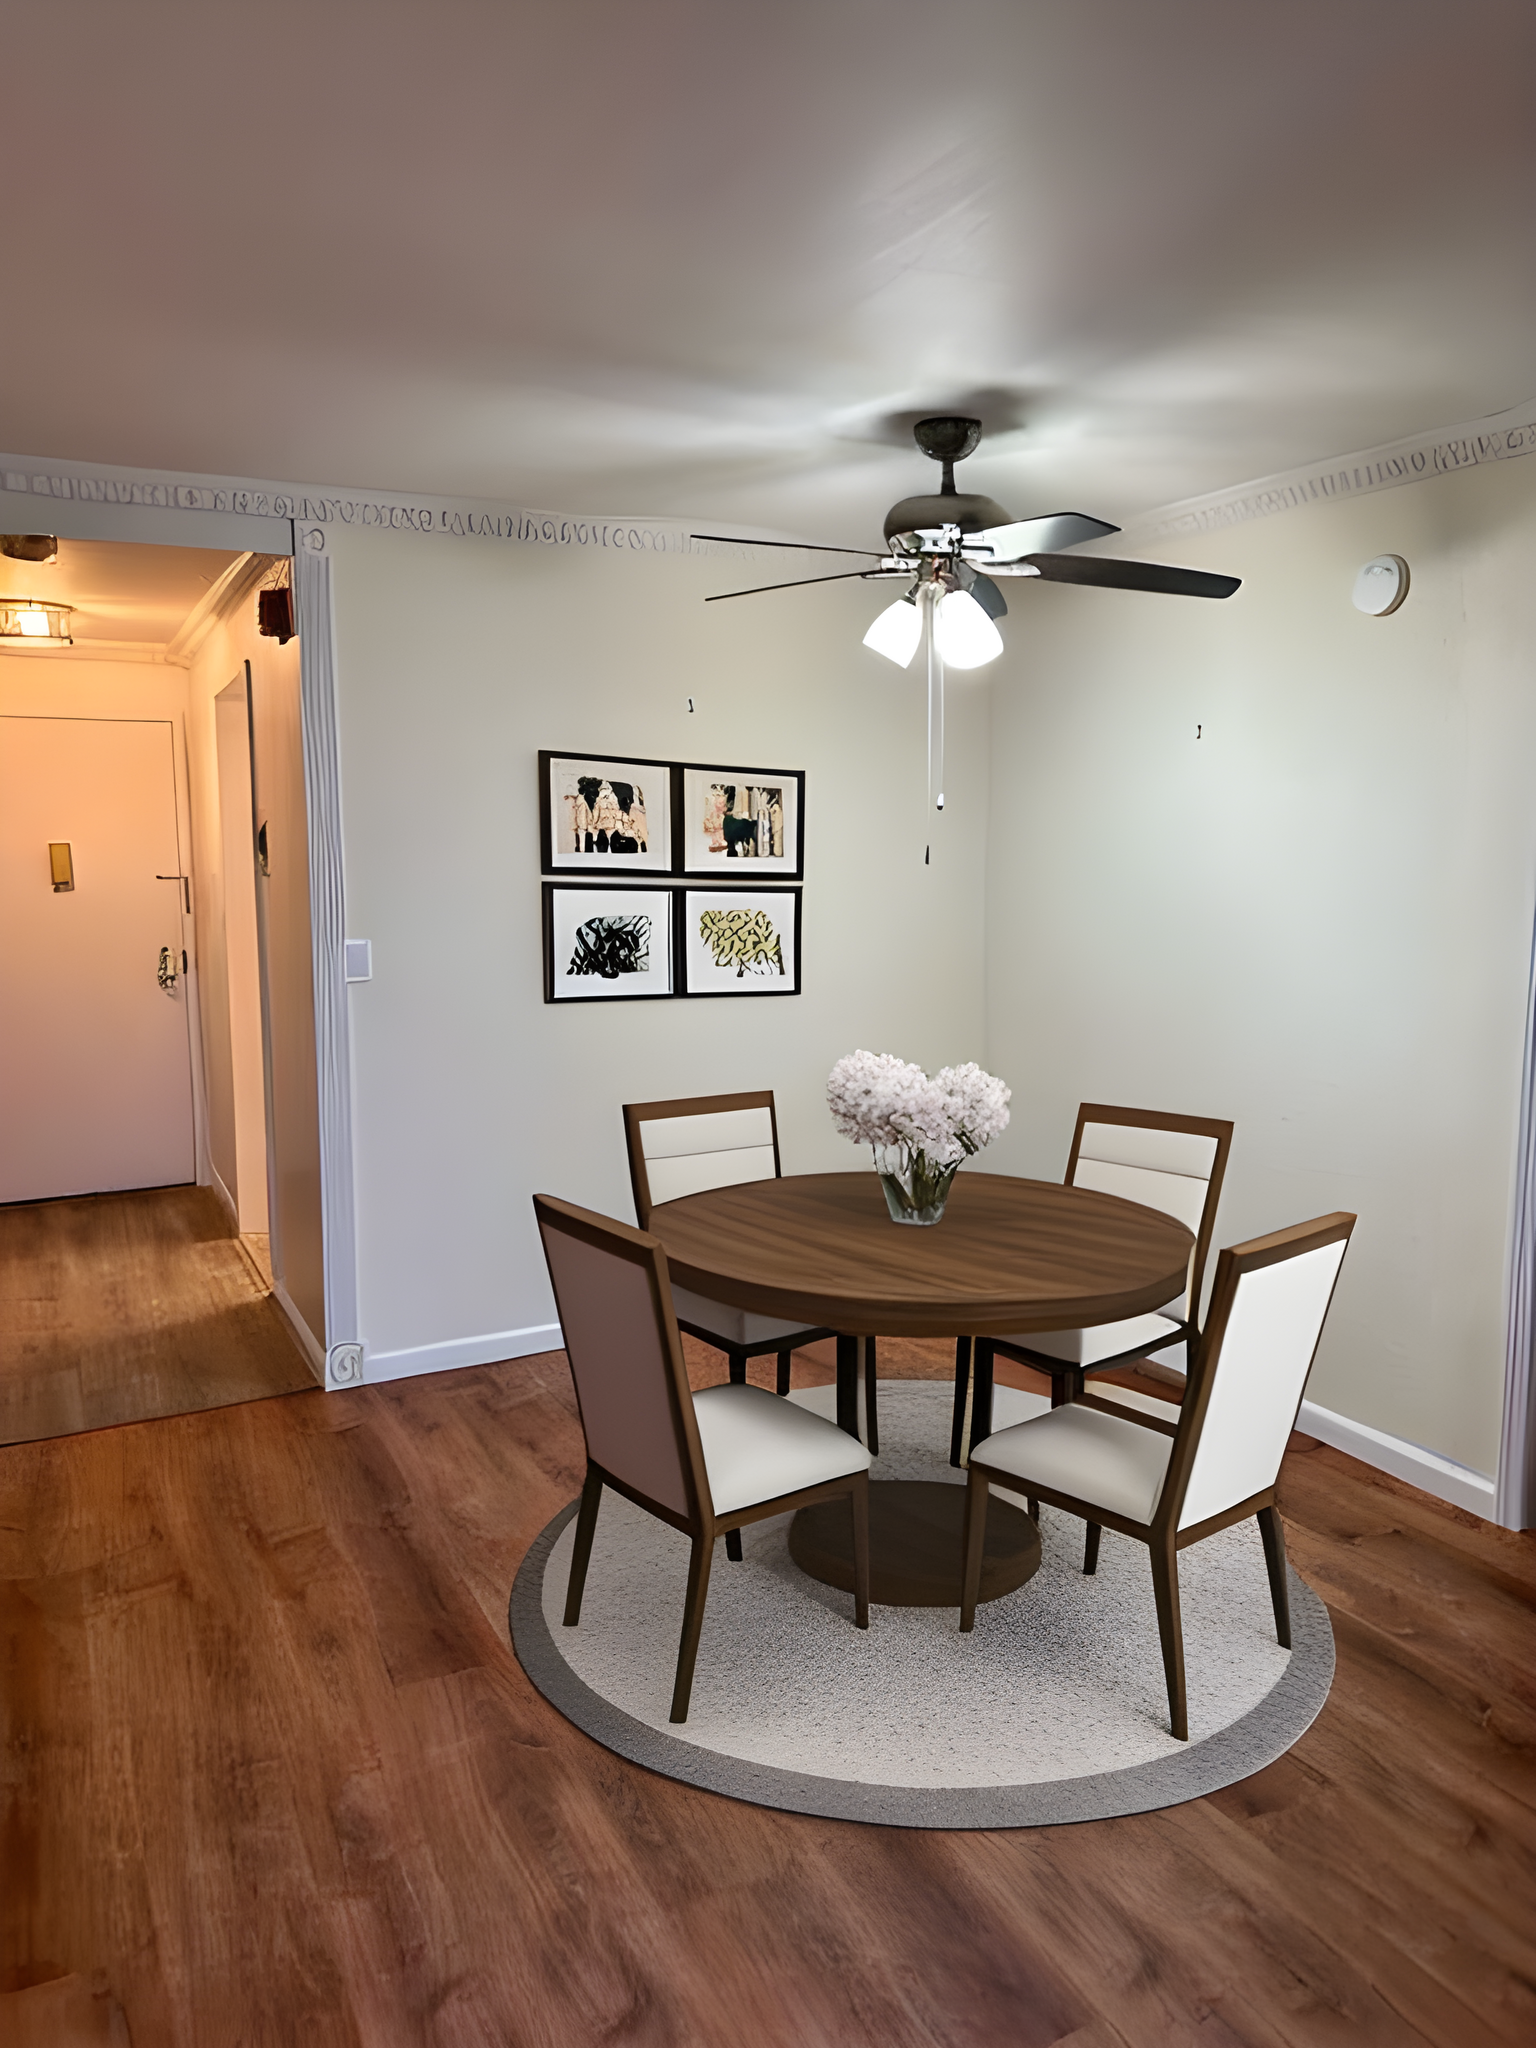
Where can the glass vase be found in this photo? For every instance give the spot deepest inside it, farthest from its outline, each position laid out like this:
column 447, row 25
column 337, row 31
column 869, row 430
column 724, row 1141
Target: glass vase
column 916, row 1187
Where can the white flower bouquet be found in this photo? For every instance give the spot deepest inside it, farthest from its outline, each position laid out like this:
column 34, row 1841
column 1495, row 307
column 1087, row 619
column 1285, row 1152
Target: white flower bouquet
column 921, row 1128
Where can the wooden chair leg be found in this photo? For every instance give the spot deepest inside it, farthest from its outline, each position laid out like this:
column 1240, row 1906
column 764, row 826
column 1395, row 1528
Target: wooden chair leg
column 1034, row 1508
column 693, row 1621
column 871, row 1380
column 848, row 1384
column 581, row 1550
column 1274, row 1558
column 859, row 1503
column 976, row 1498
column 962, row 1395
column 738, row 1367
column 782, row 1385
column 733, row 1545
column 1091, row 1549
column 981, row 1392
column 1165, row 1587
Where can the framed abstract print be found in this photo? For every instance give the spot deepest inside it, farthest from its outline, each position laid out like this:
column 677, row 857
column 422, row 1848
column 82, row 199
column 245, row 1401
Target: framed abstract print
column 607, row 945
column 741, row 942
column 603, row 816
column 742, row 823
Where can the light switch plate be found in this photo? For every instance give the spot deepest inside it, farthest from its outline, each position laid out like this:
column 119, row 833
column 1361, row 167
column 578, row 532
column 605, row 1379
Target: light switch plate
column 359, row 959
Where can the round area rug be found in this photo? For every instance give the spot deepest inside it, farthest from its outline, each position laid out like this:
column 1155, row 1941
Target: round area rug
column 1052, row 1710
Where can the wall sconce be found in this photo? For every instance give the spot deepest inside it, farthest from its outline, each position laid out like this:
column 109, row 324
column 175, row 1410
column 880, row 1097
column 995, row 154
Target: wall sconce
column 34, row 623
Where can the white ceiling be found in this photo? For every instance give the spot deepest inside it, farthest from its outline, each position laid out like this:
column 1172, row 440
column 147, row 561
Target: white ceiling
column 120, row 591
column 696, row 256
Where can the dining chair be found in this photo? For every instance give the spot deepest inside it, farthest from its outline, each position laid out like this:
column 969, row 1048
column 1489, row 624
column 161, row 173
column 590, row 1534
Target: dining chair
column 1168, row 1484
column 705, row 1463
column 685, row 1148
column 1158, row 1158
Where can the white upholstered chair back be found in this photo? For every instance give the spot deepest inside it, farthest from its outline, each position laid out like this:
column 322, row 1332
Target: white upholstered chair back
column 692, row 1150
column 1166, row 1170
column 1260, row 1373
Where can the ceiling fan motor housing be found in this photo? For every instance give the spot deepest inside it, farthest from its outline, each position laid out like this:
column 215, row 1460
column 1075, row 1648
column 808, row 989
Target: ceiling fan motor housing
column 947, row 438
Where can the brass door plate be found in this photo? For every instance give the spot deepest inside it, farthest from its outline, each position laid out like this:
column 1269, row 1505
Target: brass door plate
column 62, row 865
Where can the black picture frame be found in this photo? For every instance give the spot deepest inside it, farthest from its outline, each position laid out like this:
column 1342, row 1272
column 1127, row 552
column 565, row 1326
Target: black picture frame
column 695, row 983
column 557, row 989
column 688, row 860
column 658, row 862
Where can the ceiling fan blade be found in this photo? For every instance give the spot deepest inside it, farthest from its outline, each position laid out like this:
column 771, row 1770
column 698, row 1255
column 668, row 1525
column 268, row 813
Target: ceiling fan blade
column 1113, row 575
column 869, row 575
column 1053, row 530
column 815, row 546
column 989, row 597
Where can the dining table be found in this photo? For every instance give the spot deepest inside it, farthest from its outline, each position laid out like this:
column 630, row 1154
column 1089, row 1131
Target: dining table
column 1009, row 1257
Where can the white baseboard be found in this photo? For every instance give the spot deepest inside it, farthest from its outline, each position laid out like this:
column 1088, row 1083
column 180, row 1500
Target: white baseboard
column 306, row 1336
column 1442, row 1477
column 459, row 1351
column 231, row 1207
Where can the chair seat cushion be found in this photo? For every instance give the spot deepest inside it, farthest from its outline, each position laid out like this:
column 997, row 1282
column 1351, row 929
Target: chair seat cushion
column 735, row 1325
column 1100, row 1459
column 1106, row 1340
column 757, row 1447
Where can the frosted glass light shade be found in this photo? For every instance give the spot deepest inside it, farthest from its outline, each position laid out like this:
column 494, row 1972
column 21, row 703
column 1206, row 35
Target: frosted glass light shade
column 966, row 637
column 896, row 632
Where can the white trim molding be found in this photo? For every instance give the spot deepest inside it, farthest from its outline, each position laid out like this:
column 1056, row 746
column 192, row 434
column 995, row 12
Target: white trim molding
column 101, row 490
column 1441, row 451
column 1427, row 1470
column 307, row 1341
column 327, row 918
column 461, row 1351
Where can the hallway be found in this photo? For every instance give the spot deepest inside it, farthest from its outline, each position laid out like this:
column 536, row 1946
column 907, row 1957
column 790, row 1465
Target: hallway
column 120, row 1308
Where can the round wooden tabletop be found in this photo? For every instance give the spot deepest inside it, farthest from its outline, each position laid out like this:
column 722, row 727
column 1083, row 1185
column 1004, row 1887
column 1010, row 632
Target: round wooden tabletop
column 1010, row 1255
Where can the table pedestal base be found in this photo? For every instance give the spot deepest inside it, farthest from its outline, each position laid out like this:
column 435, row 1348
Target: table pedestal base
column 916, row 1529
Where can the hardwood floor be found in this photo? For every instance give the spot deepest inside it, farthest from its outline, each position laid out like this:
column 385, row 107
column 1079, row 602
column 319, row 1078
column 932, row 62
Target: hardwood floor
column 272, row 1775
column 115, row 1308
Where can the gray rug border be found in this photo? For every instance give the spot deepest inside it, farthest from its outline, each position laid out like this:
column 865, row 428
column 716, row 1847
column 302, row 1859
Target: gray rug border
column 1236, row 1752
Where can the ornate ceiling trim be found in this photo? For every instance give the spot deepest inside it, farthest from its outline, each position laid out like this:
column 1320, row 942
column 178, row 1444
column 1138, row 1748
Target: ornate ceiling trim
column 1442, row 451
column 312, row 505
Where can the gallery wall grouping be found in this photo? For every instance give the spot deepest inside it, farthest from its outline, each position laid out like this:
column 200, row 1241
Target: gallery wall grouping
column 669, row 878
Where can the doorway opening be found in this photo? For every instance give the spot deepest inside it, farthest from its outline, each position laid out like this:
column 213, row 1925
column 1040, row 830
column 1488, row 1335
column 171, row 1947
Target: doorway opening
column 159, row 1210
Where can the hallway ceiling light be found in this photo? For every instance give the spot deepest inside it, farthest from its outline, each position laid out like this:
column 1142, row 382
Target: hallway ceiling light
column 30, row 547
column 948, row 546
column 34, row 622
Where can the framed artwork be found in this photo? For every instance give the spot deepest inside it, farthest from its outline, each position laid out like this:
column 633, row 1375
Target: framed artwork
column 602, row 816
column 741, row 942
column 607, row 945
column 742, row 823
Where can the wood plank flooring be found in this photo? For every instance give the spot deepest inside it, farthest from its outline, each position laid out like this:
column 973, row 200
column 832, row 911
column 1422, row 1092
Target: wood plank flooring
column 115, row 1308
column 273, row 1775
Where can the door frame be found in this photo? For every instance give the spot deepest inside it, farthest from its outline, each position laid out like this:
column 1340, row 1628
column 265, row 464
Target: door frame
column 319, row 721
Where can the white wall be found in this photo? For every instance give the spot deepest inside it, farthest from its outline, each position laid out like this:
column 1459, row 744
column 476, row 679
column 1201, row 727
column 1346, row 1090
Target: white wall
column 458, row 660
column 1315, row 919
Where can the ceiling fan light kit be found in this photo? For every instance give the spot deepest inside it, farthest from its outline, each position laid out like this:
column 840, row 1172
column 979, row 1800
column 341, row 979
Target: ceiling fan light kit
column 949, row 546
column 896, row 631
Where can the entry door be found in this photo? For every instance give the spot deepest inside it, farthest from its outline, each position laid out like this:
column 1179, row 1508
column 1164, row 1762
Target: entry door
column 95, row 1057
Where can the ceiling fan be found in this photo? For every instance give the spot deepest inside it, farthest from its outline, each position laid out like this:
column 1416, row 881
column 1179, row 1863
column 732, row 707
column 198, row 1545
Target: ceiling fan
column 949, row 546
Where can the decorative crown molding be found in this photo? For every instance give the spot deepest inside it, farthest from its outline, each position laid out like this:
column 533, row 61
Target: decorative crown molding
column 313, row 505
column 1442, row 451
